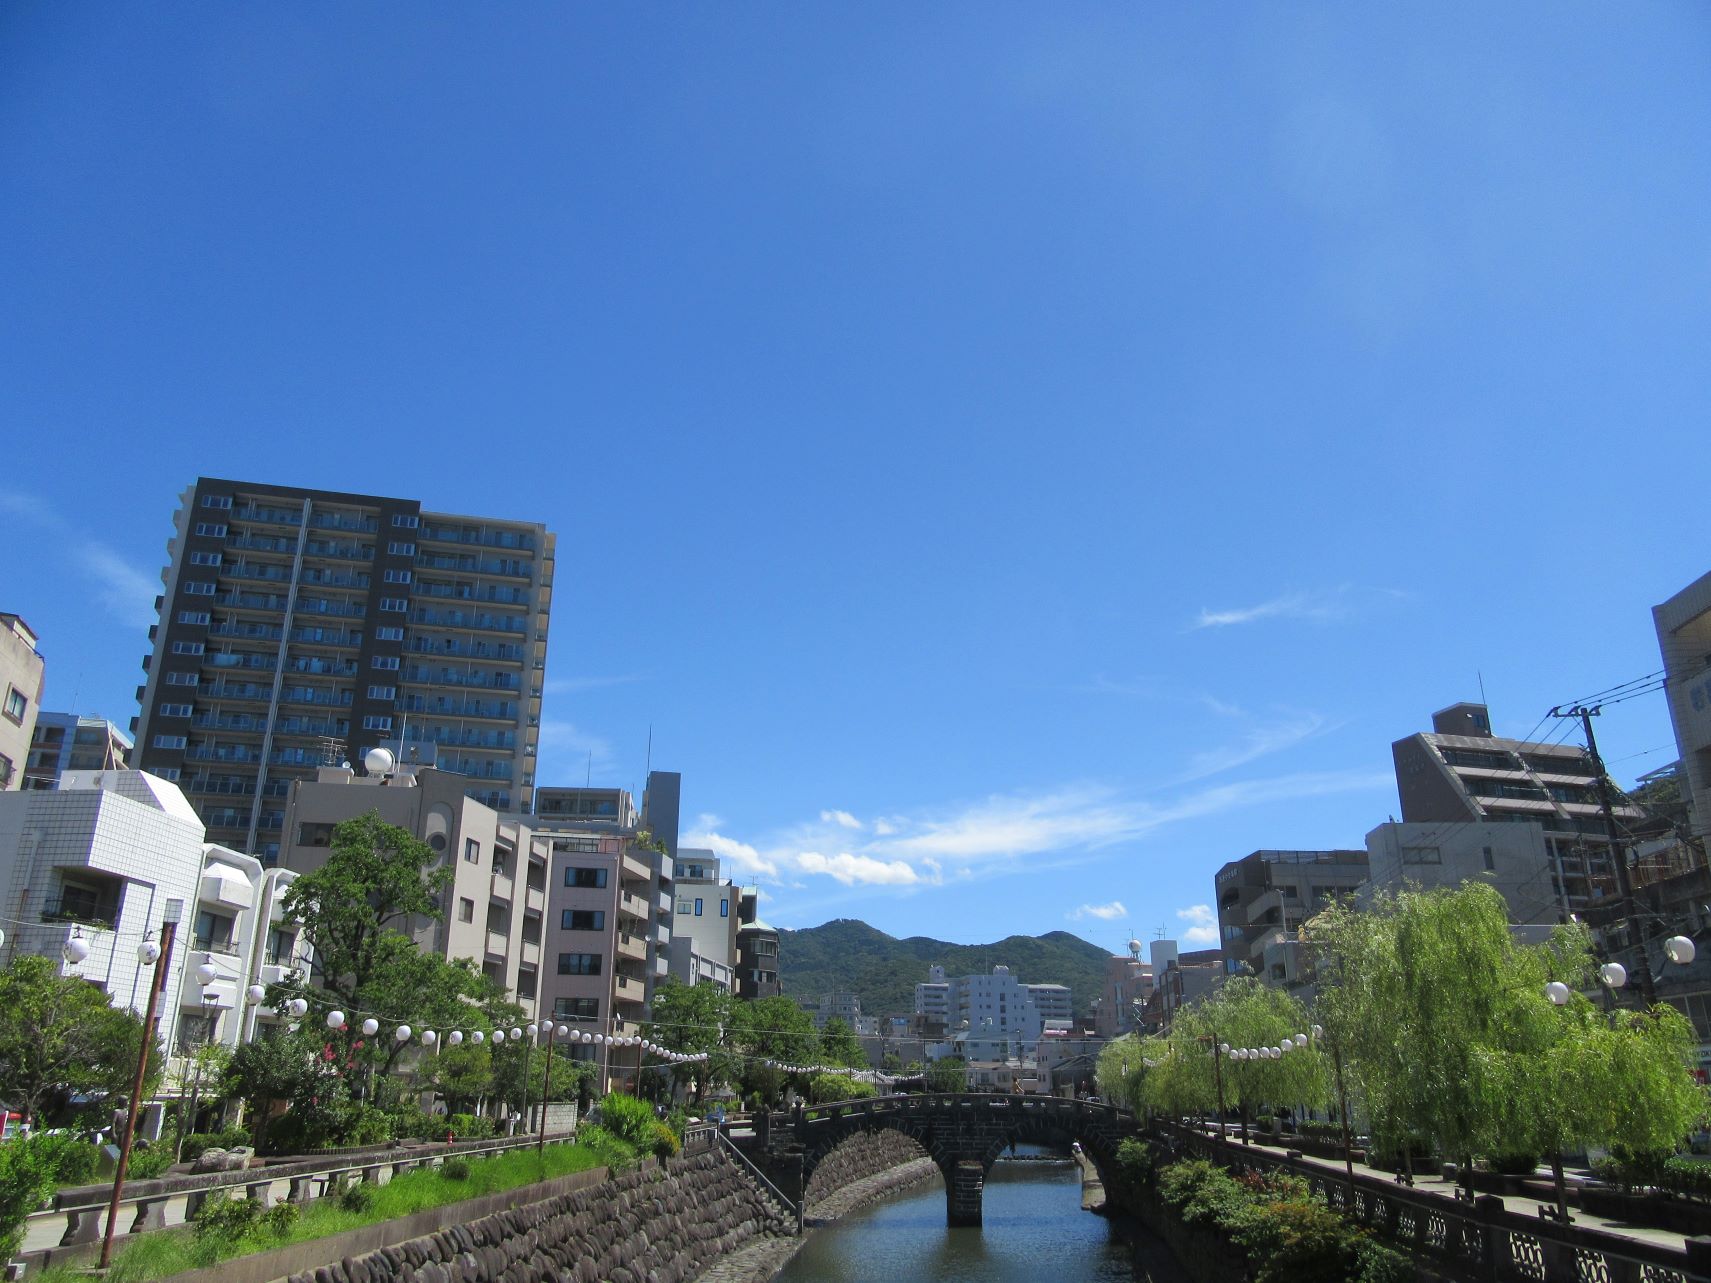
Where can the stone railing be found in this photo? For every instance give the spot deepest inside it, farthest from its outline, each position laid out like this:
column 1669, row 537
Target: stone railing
column 1482, row 1240
column 77, row 1217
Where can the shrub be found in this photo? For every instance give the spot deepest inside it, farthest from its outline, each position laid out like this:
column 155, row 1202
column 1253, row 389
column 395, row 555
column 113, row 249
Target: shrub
column 26, row 1179
column 1297, row 1241
column 1376, row 1263
column 227, row 1219
column 1135, row 1162
column 665, row 1142
column 411, row 1121
column 455, row 1169
column 148, row 1161
column 469, row 1127
column 280, row 1219
column 70, row 1161
column 629, row 1119
column 368, row 1126
column 198, row 1143
column 1514, row 1164
column 607, row 1148
column 357, row 1198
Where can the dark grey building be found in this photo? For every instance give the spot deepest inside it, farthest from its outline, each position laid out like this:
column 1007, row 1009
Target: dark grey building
column 1263, row 899
column 304, row 627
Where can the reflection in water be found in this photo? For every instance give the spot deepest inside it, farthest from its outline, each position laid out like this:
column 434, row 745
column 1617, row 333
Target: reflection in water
column 1034, row 1232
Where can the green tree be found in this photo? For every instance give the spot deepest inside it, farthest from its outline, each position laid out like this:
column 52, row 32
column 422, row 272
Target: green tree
column 697, row 1020
column 58, row 1033
column 948, row 1074
column 462, row 1075
column 772, row 1029
column 282, row 1065
column 840, row 1046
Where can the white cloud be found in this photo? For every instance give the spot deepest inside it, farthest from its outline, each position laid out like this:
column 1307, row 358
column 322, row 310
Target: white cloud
column 742, row 858
column 1257, row 742
column 843, row 819
column 1017, row 826
column 1203, row 924
column 851, row 869
column 570, row 685
column 1322, row 607
column 884, row 828
column 123, row 589
column 1104, row 912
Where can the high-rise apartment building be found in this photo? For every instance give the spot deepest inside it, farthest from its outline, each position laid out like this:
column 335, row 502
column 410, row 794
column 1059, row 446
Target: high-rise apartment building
column 1264, row 897
column 66, row 742
column 303, row 627
column 1684, row 636
column 21, row 680
column 1460, row 773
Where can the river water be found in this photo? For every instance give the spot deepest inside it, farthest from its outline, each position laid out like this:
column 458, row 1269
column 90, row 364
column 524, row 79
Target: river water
column 1034, row 1232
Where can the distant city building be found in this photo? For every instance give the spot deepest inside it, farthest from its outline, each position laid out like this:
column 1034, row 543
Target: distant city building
column 845, row 1006
column 1511, row 858
column 22, row 677
column 1178, row 979
column 1264, row 897
column 1128, row 985
column 66, row 742
column 704, row 926
column 993, row 1016
column 300, row 628
column 110, row 856
column 757, row 951
column 1460, row 772
column 1684, row 638
column 932, row 1004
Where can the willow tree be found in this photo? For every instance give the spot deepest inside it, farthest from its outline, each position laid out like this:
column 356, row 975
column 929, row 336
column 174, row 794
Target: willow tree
column 1246, row 1014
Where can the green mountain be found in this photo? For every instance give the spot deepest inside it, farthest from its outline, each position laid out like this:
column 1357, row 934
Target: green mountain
column 848, row 956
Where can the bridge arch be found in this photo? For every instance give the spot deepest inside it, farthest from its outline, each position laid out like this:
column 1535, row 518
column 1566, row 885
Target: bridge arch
column 964, row 1134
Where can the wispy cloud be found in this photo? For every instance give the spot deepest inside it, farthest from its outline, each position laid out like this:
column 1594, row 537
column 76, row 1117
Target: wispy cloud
column 566, row 746
column 843, row 819
column 1322, row 606
column 1258, row 741
column 1104, row 912
column 1162, row 692
column 570, row 685
column 999, row 834
column 1202, row 924
column 125, row 591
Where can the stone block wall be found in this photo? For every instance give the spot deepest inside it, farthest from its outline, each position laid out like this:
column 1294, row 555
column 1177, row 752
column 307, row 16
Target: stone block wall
column 859, row 1157
column 662, row 1224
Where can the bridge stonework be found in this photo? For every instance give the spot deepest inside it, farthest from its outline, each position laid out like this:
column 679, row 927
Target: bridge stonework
column 964, row 1135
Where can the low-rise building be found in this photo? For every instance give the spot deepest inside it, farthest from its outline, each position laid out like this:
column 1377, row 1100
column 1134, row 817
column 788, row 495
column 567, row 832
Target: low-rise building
column 22, row 677
column 1264, row 897
column 66, row 742
column 1684, row 638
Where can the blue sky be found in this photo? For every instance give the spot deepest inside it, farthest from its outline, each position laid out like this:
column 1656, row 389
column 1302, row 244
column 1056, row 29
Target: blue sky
column 1015, row 458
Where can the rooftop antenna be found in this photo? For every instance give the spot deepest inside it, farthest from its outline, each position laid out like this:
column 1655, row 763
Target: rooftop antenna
column 650, row 766
column 588, row 780
column 1481, row 677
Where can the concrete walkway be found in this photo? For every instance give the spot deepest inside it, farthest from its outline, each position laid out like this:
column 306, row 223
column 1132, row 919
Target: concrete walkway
column 1432, row 1182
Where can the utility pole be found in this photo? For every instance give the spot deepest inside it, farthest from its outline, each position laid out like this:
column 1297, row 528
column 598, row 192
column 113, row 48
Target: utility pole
column 168, row 930
column 546, row 1089
column 1618, row 853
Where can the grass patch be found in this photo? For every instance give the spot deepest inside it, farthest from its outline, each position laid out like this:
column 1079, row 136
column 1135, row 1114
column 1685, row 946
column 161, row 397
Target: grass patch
column 166, row 1252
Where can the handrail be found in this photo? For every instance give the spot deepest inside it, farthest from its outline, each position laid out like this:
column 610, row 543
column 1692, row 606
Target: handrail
column 759, row 1175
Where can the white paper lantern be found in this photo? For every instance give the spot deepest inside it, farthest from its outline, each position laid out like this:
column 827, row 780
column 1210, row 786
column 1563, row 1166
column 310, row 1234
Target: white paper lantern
column 498, row 1037
column 563, row 1030
column 429, row 1037
column 454, row 1038
column 1318, row 1031
column 1557, row 992
column 148, row 952
column 335, row 1020
column 256, row 992
column 207, row 973
column 1680, row 949
column 370, row 1027
column 402, row 1033
column 478, row 1037
column 299, row 1006
column 1300, row 1040
column 76, row 950
column 516, row 1034
column 1613, row 974
column 600, row 1038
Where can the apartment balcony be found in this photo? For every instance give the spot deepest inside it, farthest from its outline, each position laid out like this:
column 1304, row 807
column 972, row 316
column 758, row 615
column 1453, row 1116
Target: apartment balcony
column 633, row 947
column 625, row 1029
column 530, row 955
column 627, row 989
column 84, row 908
column 477, row 620
column 634, row 905
column 535, row 898
column 504, row 888
column 633, row 870
column 498, row 944
column 268, row 516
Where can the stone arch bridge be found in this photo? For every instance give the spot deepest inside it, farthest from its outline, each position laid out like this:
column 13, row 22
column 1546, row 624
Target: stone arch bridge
column 963, row 1133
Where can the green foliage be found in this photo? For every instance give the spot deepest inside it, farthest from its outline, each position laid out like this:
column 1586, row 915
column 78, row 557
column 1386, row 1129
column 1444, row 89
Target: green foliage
column 826, row 1088
column 630, row 1120
column 148, row 1161
column 280, row 1219
column 695, row 1019
column 70, row 1161
column 840, row 1046
column 27, row 1176
column 227, row 1219
column 455, row 1169
column 198, row 1143
column 948, row 1074
column 1682, row 1177
column 774, row 1028
column 358, row 1197
column 1135, row 1163
column 469, row 1127
column 665, row 1142
column 847, row 955
column 59, row 1032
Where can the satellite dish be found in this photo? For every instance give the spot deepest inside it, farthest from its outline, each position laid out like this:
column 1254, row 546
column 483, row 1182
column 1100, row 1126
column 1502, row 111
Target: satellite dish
column 378, row 761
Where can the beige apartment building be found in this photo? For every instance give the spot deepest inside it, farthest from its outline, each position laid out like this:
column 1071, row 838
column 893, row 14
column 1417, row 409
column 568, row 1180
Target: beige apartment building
column 21, row 681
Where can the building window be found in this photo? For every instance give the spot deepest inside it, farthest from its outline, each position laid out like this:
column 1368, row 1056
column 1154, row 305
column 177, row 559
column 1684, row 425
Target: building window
column 315, row 833
column 16, row 704
column 194, row 617
column 187, row 648
column 1422, row 855
column 472, row 851
column 583, row 920
column 406, row 521
column 204, row 559
column 6, row 769
column 175, row 710
column 1490, row 860
column 169, row 741
column 698, row 906
column 397, row 576
column 375, row 722
column 214, row 931
column 383, row 692
column 398, row 548
column 216, row 501
column 579, row 964
column 576, row 877
column 212, row 528
column 197, row 588
column 389, row 662
column 683, row 906
column 388, row 633
column 167, row 773
column 394, row 603
column 181, row 679
column 577, row 1008
column 465, row 911
column 724, row 908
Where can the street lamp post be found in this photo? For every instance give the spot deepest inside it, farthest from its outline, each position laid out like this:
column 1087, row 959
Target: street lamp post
column 162, row 956
column 546, row 1088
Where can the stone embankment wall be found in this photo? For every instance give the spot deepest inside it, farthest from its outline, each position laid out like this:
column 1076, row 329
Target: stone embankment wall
column 655, row 1224
column 858, row 1158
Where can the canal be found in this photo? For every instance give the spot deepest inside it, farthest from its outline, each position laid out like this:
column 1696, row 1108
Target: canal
column 1035, row 1230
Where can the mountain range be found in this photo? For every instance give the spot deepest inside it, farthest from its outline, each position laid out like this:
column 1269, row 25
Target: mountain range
column 848, row 956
